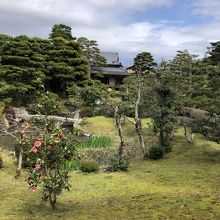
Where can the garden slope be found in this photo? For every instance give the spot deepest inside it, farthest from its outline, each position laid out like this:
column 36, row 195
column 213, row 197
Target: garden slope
column 183, row 185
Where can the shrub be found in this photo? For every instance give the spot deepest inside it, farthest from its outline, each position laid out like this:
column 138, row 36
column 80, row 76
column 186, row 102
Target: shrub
column 156, row 152
column 86, row 111
column 108, row 111
column 88, row 166
column 47, row 156
column 1, row 162
column 48, row 104
column 101, row 155
column 114, row 165
column 167, row 147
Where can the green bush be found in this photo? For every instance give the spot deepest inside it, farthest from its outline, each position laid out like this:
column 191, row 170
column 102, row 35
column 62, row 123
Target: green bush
column 156, row 152
column 101, row 155
column 108, row 111
column 88, row 166
column 115, row 166
column 167, row 147
column 1, row 162
column 86, row 111
column 48, row 104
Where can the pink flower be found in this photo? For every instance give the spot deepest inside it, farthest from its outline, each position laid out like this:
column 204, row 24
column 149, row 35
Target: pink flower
column 61, row 134
column 37, row 143
column 34, row 150
column 33, row 189
column 37, row 166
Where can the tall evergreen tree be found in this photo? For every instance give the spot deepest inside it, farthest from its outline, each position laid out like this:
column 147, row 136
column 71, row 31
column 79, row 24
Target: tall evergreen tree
column 132, row 92
column 191, row 79
column 66, row 63
column 91, row 51
column 22, row 70
column 214, row 53
column 214, row 76
column 61, row 30
column 162, row 105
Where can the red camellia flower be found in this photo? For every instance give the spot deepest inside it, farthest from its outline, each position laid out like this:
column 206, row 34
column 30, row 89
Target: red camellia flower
column 37, row 143
column 37, row 166
column 62, row 134
column 34, row 149
column 33, row 189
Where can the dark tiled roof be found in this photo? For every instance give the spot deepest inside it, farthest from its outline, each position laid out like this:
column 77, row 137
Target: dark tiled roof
column 116, row 71
column 112, row 58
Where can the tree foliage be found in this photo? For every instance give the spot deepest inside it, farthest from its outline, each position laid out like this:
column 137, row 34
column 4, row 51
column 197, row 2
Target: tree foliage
column 22, row 68
column 91, row 51
column 65, row 61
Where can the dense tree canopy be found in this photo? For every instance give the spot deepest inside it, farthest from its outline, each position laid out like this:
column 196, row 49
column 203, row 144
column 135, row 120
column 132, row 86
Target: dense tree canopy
column 22, row 68
column 61, row 30
column 91, row 51
column 214, row 53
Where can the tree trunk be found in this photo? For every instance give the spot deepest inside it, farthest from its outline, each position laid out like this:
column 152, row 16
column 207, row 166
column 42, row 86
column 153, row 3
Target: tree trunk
column 121, row 144
column 53, row 200
column 161, row 137
column 138, row 124
column 20, row 158
column 188, row 139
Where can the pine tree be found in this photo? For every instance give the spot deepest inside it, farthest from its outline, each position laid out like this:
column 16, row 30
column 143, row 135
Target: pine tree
column 91, row 52
column 22, row 70
column 66, row 64
column 214, row 53
column 191, row 79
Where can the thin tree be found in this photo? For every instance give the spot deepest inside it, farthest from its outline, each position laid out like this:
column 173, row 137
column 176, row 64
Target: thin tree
column 143, row 64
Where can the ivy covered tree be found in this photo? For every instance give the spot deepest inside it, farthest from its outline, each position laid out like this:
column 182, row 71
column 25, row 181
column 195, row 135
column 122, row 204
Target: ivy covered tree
column 162, row 107
column 66, row 63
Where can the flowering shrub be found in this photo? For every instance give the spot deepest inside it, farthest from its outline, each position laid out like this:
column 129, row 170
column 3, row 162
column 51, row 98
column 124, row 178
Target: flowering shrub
column 46, row 160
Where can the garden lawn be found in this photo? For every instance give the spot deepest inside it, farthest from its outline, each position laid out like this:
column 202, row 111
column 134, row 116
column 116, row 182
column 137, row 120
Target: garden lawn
column 183, row 185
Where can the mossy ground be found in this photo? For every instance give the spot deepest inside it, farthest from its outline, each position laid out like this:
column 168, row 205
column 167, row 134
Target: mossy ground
column 183, row 185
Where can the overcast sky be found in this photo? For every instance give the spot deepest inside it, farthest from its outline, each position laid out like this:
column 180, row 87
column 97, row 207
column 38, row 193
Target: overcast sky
column 128, row 26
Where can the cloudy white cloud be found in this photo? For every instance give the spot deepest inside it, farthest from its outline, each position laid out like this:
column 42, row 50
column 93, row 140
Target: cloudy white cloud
column 112, row 25
column 208, row 8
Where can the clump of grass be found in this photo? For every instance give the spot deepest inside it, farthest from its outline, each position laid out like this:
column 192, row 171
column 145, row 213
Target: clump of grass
column 96, row 142
column 73, row 164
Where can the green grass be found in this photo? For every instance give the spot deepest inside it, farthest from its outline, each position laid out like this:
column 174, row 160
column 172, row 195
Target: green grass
column 183, row 185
